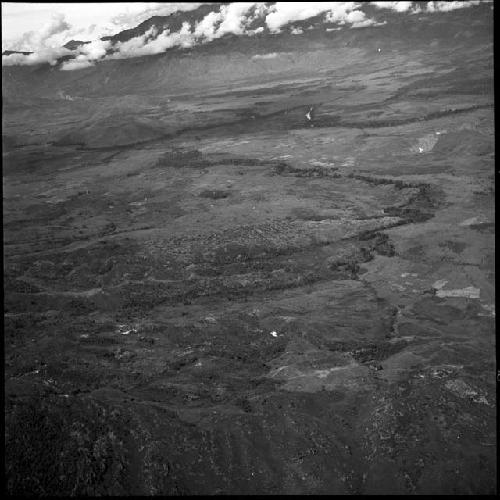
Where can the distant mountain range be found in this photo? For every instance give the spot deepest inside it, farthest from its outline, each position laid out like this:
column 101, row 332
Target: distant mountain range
column 405, row 27
column 232, row 58
column 172, row 22
column 10, row 52
column 281, row 70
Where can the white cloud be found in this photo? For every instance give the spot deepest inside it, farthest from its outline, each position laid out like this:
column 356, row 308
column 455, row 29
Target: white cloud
column 358, row 19
column 260, row 29
column 49, row 41
column 95, row 50
column 46, row 36
column 88, row 21
column 80, row 62
column 44, row 55
column 88, row 55
column 397, row 6
column 136, row 13
column 148, row 44
column 271, row 55
column 234, row 18
column 433, row 6
column 230, row 18
column 134, row 46
column 343, row 12
column 260, row 10
column 283, row 13
column 13, row 60
column 206, row 27
column 449, row 6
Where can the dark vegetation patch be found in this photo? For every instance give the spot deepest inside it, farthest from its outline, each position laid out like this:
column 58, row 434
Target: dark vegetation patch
column 240, row 162
column 335, row 121
column 377, row 352
column 181, row 158
column 283, row 168
column 454, row 246
column 420, row 207
column 306, row 213
column 146, row 296
column 366, row 245
column 73, row 447
column 37, row 303
column 192, row 158
column 488, row 227
column 16, row 327
column 19, row 286
column 376, row 181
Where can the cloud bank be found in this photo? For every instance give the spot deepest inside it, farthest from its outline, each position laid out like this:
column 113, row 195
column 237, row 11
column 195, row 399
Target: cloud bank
column 431, row 7
column 397, row 6
column 49, row 48
column 449, row 6
column 81, row 21
column 271, row 55
column 236, row 18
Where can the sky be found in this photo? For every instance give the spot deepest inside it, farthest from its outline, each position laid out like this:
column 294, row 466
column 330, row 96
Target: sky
column 43, row 28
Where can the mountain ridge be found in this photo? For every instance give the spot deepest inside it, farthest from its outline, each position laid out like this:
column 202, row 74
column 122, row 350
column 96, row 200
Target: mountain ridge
column 156, row 25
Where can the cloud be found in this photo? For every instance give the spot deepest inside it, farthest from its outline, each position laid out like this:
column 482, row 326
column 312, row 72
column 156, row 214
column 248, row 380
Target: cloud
column 397, row 6
column 133, row 46
column 207, row 26
column 260, row 29
column 149, row 43
column 234, row 18
column 449, row 6
column 88, row 21
column 239, row 18
column 95, row 50
column 43, row 38
column 80, row 62
column 431, row 7
column 14, row 60
column 44, row 55
column 47, row 41
column 271, row 55
column 283, row 13
column 87, row 56
column 137, row 12
column 345, row 12
column 358, row 19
